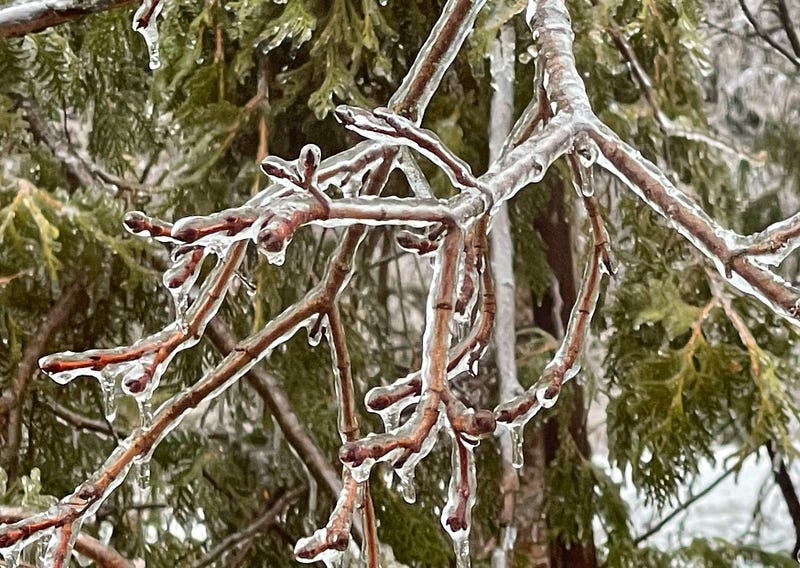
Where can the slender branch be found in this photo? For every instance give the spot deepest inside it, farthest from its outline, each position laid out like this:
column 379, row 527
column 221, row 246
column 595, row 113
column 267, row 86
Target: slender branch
column 274, row 396
column 784, row 481
column 79, row 172
column 795, row 60
column 678, row 510
column 667, row 125
column 11, row 403
column 788, row 26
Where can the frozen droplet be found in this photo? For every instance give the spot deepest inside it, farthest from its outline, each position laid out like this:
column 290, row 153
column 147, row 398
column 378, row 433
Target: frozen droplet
column 317, row 330
column 407, row 488
column 587, row 153
column 144, row 22
column 142, row 478
column 587, row 181
column 108, row 385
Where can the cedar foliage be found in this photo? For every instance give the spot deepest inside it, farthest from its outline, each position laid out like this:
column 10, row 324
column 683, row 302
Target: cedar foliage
column 185, row 139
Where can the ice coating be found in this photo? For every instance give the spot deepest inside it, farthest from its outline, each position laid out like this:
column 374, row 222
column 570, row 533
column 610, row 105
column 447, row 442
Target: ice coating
column 317, row 330
column 328, row 543
column 180, row 278
column 144, row 22
column 417, row 181
column 391, row 129
column 54, row 552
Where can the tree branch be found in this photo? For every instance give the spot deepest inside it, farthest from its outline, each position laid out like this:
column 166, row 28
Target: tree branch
column 37, row 15
column 103, row 555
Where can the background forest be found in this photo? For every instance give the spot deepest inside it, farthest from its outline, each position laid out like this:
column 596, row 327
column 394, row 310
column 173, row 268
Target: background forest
column 679, row 371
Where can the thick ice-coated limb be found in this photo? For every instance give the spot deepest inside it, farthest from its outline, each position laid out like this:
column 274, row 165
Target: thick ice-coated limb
column 434, row 58
column 550, row 23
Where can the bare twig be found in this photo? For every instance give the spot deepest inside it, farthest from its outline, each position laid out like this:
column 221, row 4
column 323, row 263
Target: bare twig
column 272, row 510
column 793, row 58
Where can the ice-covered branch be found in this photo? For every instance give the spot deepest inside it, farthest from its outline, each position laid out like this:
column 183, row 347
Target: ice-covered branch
column 344, row 191
column 103, row 555
column 36, row 15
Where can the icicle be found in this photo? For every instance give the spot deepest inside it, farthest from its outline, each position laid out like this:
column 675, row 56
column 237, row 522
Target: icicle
column 144, row 22
column 456, row 515
column 517, row 453
column 108, row 386
column 407, row 471
column 142, row 478
column 407, row 488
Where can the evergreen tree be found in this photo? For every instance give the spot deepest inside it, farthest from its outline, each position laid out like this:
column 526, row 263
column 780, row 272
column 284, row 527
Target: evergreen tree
column 267, row 212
